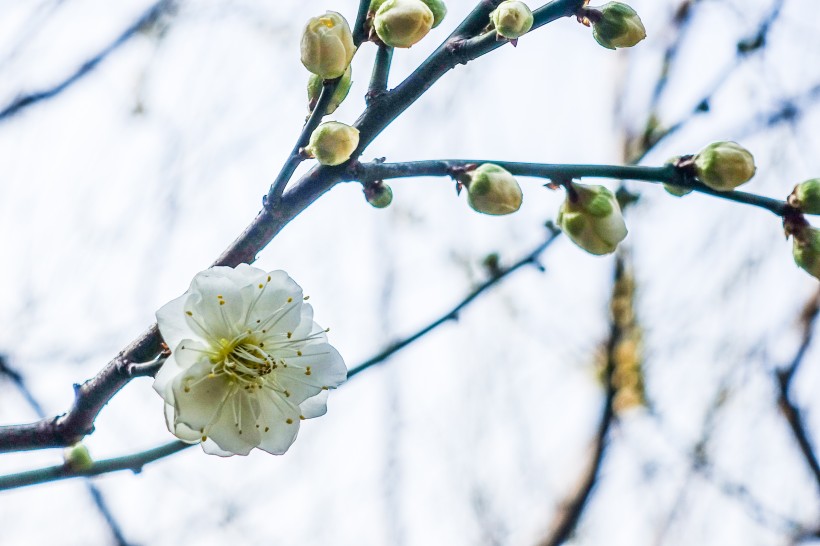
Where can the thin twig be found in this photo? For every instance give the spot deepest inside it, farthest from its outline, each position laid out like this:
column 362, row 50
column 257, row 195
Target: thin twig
column 96, row 495
column 380, row 74
column 296, row 156
column 29, row 99
column 530, row 259
column 791, row 412
column 567, row 518
column 745, row 47
column 359, row 27
column 134, row 462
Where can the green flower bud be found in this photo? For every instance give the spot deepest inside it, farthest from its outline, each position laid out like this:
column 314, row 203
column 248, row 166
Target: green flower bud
column 332, row 143
column 379, row 194
column 439, row 10
column 436, row 6
column 512, row 19
column 592, row 218
column 806, row 196
column 402, row 23
column 77, row 457
column 314, row 89
column 806, row 250
column 327, row 45
column 492, row 190
column 677, row 191
column 723, row 166
column 618, row 25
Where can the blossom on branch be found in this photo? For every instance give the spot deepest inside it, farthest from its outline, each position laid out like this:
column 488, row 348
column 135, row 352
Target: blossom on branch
column 247, row 364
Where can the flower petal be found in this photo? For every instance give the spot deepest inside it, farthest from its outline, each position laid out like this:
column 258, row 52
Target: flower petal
column 187, row 353
column 279, row 422
column 173, row 324
column 180, row 430
column 211, row 448
column 235, row 428
column 319, row 366
column 306, row 325
column 199, row 397
column 315, row 406
column 273, row 305
column 215, row 305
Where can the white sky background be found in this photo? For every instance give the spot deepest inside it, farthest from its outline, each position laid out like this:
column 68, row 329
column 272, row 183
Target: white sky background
column 116, row 192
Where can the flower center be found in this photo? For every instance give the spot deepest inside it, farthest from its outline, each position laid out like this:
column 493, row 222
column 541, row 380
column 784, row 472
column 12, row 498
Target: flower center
column 243, row 359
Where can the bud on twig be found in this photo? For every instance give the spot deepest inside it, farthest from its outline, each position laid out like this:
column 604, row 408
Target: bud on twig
column 492, row 190
column 615, row 25
column 592, row 218
column 314, row 89
column 723, row 166
column 327, row 45
column 402, row 23
column 512, row 19
column 378, row 194
column 677, row 191
column 806, row 196
column 332, row 143
column 77, row 457
column 806, row 250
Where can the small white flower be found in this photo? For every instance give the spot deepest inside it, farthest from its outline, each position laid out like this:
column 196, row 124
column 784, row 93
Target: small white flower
column 247, row 363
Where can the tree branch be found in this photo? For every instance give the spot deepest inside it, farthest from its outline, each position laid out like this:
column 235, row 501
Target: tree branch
column 91, row 396
column 668, row 174
column 146, row 19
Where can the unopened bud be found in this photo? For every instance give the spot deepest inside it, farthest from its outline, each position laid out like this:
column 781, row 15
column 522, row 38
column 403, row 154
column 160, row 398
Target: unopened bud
column 806, row 250
column 314, row 89
column 723, row 166
column 512, row 19
column 379, row 194
column 492, row 190
column 677, row 191
column 592, row 218
column 402, row 23
column 439, row 10
column 332, row 143
column 617, row 25
column 436, row 6
column 327, row 45
column 806, row 196
column 77, row 457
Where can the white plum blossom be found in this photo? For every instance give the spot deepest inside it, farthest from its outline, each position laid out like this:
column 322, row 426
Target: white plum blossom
column 247, row 361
